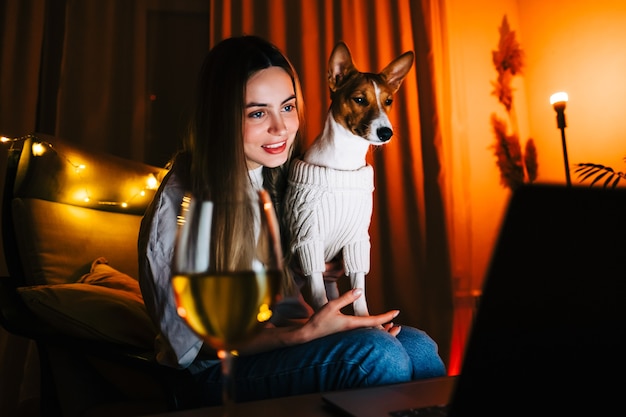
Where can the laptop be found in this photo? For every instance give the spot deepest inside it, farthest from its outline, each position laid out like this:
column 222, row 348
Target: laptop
column 549, row 337
column 388, row 400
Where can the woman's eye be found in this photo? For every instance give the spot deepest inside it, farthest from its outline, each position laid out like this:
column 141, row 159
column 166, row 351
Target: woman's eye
column 289, row 107
column 256, row 114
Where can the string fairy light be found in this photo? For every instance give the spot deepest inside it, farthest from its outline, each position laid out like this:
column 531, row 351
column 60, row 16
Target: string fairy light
column 40, row 147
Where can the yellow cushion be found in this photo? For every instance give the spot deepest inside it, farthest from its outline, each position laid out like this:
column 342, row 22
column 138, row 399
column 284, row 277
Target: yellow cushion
column 104, row 305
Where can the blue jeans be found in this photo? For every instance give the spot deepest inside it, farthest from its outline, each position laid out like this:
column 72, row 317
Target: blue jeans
column 356, row 358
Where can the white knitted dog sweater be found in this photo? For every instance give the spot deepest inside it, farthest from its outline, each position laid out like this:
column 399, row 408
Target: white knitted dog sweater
column 327, row 211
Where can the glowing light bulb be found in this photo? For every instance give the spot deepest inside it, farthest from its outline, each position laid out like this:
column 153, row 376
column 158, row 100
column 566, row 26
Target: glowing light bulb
column 558, row 101
column 152, row 182
column 560, row 97
column 38, row 149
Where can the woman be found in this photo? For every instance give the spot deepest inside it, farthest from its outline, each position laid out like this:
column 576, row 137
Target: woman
column 244, row 133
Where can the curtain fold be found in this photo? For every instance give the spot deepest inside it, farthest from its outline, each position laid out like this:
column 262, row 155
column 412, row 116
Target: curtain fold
column 97, row 77
column 22, row 33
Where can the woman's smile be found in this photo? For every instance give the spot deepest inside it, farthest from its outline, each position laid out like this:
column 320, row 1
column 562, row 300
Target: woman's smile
column 275, row 148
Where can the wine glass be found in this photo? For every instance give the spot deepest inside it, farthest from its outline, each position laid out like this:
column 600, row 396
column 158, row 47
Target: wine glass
column 227, row 273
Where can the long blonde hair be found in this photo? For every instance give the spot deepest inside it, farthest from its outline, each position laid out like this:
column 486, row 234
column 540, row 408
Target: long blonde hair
column 213, row 147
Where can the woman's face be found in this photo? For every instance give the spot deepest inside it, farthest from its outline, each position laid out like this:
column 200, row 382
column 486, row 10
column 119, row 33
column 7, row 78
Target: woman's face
column 270, row 118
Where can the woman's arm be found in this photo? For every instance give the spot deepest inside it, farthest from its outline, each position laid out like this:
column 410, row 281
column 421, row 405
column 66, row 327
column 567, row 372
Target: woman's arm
column 328, row 320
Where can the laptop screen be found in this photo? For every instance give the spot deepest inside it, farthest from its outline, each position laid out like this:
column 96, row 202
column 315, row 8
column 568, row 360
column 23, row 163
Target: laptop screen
column 550, row 330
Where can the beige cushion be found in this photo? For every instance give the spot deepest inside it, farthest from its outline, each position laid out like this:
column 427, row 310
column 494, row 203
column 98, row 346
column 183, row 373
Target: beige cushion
column 58, row 242
column 104, row 304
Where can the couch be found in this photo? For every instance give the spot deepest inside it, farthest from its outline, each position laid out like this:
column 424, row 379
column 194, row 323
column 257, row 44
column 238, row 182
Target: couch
column 70, row 220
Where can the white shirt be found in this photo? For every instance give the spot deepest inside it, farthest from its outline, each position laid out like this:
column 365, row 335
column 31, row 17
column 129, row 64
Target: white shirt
column 176, row 344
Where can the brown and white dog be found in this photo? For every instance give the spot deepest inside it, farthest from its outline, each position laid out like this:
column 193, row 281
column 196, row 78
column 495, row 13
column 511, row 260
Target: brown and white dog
column 329, row 197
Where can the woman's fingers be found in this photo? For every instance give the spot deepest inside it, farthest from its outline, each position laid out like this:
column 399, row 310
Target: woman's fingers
column 329, row 319
column 366, row 321
column 379, row 320
column 392, row 329
column 346, row 298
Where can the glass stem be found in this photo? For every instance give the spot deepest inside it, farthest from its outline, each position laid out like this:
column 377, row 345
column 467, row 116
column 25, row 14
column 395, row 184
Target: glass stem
column 227, row 358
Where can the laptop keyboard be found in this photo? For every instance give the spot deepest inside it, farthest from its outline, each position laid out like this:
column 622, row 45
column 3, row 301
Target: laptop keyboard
column 432, row 411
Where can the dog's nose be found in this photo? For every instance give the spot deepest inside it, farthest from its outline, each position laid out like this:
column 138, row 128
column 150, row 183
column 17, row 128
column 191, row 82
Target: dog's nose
column 384, row 133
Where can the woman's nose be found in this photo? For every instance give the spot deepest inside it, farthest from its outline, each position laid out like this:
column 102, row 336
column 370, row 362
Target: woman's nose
column 278, row 126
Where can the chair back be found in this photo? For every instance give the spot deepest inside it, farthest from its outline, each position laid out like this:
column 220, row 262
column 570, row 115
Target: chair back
column 65, row 206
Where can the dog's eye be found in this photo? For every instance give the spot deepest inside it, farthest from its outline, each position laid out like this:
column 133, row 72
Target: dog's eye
column 388, row 102
column 361, row 101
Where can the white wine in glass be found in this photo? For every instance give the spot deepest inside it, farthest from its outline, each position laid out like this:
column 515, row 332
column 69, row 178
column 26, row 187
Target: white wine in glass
column 227, row 273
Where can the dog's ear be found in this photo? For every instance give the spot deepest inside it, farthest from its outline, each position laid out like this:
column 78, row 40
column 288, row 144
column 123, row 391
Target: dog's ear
column 395, row 72
column 339, row 65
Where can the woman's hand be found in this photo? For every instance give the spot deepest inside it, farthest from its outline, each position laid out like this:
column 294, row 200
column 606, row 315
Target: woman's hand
column 329, row 319
column 334, row 269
